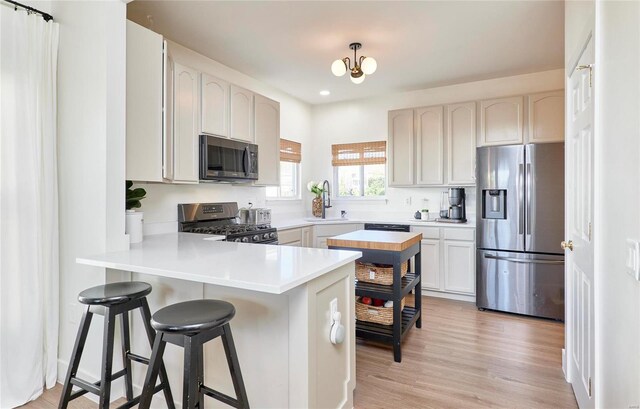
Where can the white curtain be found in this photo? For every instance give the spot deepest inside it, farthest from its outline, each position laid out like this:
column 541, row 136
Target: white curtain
column 28, row 206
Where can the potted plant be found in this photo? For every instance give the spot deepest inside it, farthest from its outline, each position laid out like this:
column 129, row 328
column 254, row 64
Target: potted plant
column 133, row 219
column 316, row 203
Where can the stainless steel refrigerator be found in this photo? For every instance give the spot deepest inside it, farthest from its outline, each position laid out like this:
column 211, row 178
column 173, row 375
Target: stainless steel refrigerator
column 520, row 217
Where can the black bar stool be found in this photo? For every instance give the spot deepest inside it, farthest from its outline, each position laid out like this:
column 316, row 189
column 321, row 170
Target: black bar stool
column 111, row 300
column 190, row 325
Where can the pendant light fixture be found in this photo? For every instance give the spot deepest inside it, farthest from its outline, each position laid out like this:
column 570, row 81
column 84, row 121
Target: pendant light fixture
column 363, row 66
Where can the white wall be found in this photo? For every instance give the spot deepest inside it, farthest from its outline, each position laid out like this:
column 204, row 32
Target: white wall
column 366, row 120
column 617, row 194
column 160, row 206
column 91, row 109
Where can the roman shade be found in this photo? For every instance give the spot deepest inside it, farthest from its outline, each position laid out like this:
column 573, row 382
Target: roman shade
column 290, row 151
column 364, row 153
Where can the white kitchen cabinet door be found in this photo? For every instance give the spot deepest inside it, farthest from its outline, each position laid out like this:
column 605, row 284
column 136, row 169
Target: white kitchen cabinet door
column 144, row 104
column 214, row 105
column 241, row 114
column 501, row 121
column 461, row 143
column 401, row 153
column 167, row 116
column 430, row 249
column 185, row 132
column 429, row 146
column 321, row 243
column 546, row 117
column 459, row 266
column 267, row 133
column 307, row 237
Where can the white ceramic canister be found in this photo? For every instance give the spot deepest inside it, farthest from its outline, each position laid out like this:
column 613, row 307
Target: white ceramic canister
column 133, row 225
column 424, row 215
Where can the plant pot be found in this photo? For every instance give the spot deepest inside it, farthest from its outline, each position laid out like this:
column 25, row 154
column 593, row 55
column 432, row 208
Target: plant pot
column 316, row 207
column 133, row 225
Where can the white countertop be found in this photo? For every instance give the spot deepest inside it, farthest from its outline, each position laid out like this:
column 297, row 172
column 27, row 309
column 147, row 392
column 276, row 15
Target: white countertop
column 255, row 267
column 296, row 223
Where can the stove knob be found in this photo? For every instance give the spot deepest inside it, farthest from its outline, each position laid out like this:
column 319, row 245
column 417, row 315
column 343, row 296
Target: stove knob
column 265, row 236
column 245, row 240
column 256, row 237
column 273, row 235
column 237, row 240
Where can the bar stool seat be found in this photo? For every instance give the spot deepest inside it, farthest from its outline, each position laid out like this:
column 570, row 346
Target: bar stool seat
column 193, row 316
column 190, row 325
column 114, row 293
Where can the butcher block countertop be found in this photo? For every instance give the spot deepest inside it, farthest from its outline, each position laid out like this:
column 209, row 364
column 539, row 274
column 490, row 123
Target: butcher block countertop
column 376, row 240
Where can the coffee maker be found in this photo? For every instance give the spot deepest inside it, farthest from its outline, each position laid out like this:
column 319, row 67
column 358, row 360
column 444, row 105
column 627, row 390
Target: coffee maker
column 456, row 211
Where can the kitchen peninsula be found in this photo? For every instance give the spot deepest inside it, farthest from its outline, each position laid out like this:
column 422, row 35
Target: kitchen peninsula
column 282, row 297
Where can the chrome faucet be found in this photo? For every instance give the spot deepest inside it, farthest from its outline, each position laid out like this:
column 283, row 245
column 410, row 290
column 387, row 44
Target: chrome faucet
column 326, row 198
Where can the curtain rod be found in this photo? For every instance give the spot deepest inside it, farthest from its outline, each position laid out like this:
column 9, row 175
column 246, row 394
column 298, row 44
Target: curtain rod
column 45, row 16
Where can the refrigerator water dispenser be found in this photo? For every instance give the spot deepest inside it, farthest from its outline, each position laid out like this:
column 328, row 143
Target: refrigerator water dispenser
column 494, row 204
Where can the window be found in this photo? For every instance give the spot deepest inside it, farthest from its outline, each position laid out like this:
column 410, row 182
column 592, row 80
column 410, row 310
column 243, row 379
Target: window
column 290, row 158
column 359, row 169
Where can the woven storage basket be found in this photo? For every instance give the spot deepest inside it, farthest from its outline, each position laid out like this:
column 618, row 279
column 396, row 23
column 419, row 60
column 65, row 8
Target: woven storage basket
column 378, row 273
column 378, row 315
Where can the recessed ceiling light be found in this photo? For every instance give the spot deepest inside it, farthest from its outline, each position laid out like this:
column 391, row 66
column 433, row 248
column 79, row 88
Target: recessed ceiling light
column 325, row 92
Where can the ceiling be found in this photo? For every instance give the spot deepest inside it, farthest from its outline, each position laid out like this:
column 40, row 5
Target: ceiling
column 291, row 45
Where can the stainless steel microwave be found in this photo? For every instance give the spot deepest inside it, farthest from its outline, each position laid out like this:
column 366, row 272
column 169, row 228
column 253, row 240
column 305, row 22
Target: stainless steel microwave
column 227, row 160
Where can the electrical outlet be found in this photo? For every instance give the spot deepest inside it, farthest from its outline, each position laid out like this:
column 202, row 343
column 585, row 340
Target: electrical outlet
column 407, row 201
column 633, row 258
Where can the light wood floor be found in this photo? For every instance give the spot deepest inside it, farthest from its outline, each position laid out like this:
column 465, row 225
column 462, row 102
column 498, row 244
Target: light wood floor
column 460, row 358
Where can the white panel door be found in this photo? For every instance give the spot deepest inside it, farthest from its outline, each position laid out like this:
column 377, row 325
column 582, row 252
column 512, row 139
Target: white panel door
column 429, row 145
column 401, row 148
column 241, row 114
column 501, row 121
column 461, row 143
column 214, row 105
column 579, row 263
column 185, row 134
column 546, row 117
column 431, row 264
column 267, row 133
column 459, row 267
column 144, row 104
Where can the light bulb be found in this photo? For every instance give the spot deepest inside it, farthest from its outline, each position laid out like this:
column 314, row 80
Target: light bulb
column 369, row 65
column 357, row 80
column 338, row 68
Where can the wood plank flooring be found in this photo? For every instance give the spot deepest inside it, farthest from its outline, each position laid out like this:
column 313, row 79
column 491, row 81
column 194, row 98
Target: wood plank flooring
column 460, row 358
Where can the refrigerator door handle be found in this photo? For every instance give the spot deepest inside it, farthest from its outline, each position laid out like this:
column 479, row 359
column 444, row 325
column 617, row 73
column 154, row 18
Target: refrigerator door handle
column 527, row 223
column 523, row 260
column 520, row 189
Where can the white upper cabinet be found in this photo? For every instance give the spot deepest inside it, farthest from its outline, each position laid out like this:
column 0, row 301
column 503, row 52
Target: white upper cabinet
column 501, row 121
column 241, row 114
column 144, row 104
column 167, row 116
column 461, row 143
column 429, row 146
column 401, row 171
column 267, row 133
column 185, row 132
column 214, row 105
column 546, row 117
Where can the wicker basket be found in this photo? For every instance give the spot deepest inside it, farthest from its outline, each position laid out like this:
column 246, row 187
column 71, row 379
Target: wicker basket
column 378, row 315
column 378, row 273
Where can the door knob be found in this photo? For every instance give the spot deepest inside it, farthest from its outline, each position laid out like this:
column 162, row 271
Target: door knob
column 567, row 245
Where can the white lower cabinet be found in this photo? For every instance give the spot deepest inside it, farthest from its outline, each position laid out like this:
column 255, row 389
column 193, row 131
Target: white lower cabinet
column 324, row 231
column 448, row 260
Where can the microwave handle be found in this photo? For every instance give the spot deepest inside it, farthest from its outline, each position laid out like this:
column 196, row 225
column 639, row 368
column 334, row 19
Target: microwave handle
column 245, row 159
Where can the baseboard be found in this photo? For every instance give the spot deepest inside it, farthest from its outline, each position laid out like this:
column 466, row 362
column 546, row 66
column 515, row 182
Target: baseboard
column 450, row 296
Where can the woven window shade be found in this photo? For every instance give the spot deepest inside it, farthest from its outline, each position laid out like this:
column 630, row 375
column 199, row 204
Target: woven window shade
column 290, row 151
column 366, row 153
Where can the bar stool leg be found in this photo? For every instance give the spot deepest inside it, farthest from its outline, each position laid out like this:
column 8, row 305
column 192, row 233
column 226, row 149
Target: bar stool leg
column 126, row 348
column 200, row 377
column 234, row 367
column 190, row 388
column 81, row 339
column 151, row 335
column 107, row 358
column 152, row 372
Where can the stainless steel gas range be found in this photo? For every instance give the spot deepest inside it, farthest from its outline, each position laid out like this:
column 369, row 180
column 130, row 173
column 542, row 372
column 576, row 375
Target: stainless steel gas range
column 222, row 219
